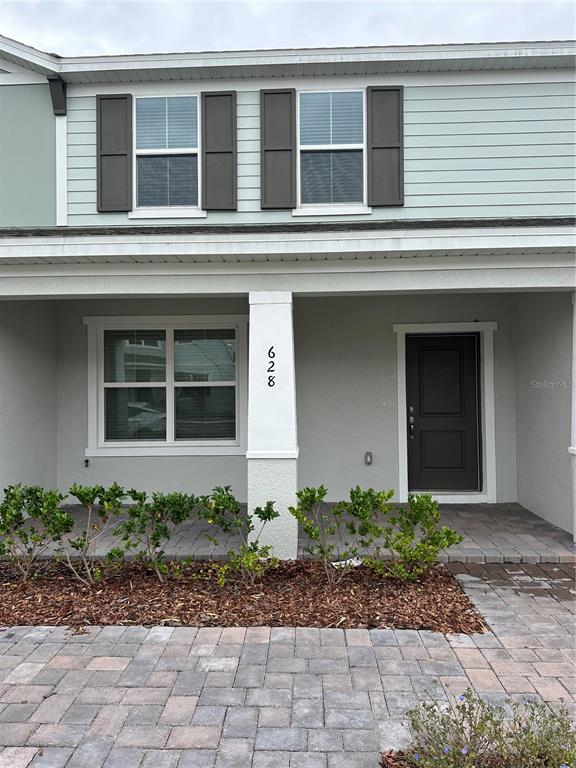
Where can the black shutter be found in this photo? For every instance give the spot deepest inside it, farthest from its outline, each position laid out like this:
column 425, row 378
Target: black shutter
column 385, row 146
column 114, row 152
column 219, row 166
column 278, row 148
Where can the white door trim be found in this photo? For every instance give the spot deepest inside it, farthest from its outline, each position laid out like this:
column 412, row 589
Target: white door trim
column 488, row 419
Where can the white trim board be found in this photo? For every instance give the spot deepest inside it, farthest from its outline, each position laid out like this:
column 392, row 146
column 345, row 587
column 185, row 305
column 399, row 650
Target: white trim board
column 487, row 407
column 61, row 130
column 321, row 245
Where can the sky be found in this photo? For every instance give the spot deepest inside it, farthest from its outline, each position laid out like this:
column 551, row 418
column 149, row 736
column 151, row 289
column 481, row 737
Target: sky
column 90, row 27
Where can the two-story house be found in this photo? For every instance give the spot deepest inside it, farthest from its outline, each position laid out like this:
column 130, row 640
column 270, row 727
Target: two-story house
column 273, row 269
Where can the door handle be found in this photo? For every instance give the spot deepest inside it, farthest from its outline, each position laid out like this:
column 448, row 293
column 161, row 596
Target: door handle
column 411, row 425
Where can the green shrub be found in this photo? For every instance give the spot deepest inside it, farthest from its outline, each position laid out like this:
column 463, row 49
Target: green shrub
column 222, row 510
column 151, row 522
column 415, row 538
column 367, row 524
column 364, row 517
column 102, row 505
column 319, row 523
column 30, row 519
column 475, row 734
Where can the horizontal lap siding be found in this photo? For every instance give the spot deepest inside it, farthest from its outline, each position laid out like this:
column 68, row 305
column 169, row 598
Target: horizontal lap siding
column 470, row 151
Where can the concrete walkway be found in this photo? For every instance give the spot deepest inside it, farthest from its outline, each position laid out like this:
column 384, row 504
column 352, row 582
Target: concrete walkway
column 493, row 533
column 132, row 697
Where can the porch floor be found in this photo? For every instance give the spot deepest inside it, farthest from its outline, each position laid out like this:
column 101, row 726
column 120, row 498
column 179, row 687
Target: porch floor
column 493, row 533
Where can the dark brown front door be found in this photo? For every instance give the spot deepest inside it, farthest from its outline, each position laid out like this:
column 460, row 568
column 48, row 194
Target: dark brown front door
column 443, row 413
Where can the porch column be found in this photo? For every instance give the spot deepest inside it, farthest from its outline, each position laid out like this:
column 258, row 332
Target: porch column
column 272, row 453
column 572, row 449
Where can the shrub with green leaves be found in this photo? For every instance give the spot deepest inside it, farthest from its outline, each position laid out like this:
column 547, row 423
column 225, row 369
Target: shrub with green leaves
column 475, row 734
column 222, row 510
column 364, row 516
column 102, row 506
column 30, row 519
column 414, row 537
column 321, row 524
column 151, row 521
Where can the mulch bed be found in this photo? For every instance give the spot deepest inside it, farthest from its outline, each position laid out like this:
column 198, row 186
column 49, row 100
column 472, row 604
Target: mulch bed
column 393, row 760
column 295, row 594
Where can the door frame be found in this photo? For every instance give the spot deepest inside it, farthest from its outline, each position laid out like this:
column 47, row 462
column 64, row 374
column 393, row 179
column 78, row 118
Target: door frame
column 487, row 409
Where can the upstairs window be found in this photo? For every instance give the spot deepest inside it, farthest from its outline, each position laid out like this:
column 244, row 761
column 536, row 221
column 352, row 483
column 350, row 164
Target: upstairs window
column 167, row 152
column 331, row 141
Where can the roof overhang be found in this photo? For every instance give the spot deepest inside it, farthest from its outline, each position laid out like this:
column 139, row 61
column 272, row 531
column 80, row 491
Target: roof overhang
column 350, row 246
column 309, row 62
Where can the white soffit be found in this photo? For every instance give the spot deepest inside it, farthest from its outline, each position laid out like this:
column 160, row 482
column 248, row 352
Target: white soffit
column 295, row 62
column 286, row 247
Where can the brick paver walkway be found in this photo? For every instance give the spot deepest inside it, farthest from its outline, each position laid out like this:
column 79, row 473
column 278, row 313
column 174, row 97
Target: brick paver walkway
column 493, row 533
column 132, row 697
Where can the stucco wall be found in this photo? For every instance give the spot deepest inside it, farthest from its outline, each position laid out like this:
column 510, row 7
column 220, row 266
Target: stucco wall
column 188, row 473
column 28, row 443
column 543, row 397
column 347, row 392
column 27, row 156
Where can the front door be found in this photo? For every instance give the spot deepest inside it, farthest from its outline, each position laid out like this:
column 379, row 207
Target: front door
column 443, row 412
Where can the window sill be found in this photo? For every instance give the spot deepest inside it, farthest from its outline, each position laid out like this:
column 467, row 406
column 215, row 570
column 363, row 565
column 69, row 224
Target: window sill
column 168, row 450
column 167, row 213
column 332, row 210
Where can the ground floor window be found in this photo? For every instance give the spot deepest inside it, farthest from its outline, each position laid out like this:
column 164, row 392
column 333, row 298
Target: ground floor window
column 166, row 381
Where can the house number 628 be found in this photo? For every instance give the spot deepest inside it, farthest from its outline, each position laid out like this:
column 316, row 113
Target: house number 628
column 271, row 368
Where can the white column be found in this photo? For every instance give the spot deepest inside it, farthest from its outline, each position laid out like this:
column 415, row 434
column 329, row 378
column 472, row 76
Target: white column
column 272, row 453
column 572, row 449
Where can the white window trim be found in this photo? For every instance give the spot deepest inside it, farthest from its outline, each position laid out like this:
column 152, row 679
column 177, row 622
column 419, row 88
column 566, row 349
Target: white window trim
column 97, row 446
column 166, row 211
column 332, row 209
column 487, row 409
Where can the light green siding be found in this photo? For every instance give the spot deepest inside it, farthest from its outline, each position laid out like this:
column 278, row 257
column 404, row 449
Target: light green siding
column 471, row 151
column 27, row 156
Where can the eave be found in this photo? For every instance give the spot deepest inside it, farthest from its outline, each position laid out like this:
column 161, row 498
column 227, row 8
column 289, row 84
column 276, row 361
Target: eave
column 311, row 62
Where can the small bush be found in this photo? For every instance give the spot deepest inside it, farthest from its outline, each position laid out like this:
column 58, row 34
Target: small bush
column 415, row 538
column 320, row 523
column 30, row 519
column 151, row 522
column 475, row 734
column 102, row 506
column 222, row 510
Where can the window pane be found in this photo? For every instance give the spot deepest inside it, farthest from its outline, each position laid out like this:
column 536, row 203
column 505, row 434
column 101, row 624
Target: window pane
column 163, row 123
column 182, row 123
column 331, row 118
column 167, row 180
column 135, row 413
column 205, row 413
column 134, row 356
column 331, row 177
column 347, row 118
column 205, row 355
column 315, row 118
column 151, row 123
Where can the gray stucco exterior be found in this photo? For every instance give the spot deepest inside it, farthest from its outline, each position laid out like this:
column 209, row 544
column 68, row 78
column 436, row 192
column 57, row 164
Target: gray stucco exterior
column 346, row 390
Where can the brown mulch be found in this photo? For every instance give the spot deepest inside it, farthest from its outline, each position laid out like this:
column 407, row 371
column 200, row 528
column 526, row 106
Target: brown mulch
column 294, row 594
column 393, row 760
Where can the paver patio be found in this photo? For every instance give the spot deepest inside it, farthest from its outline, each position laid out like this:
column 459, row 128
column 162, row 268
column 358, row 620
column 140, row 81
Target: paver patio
column 493, row 533
column 165, row 697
